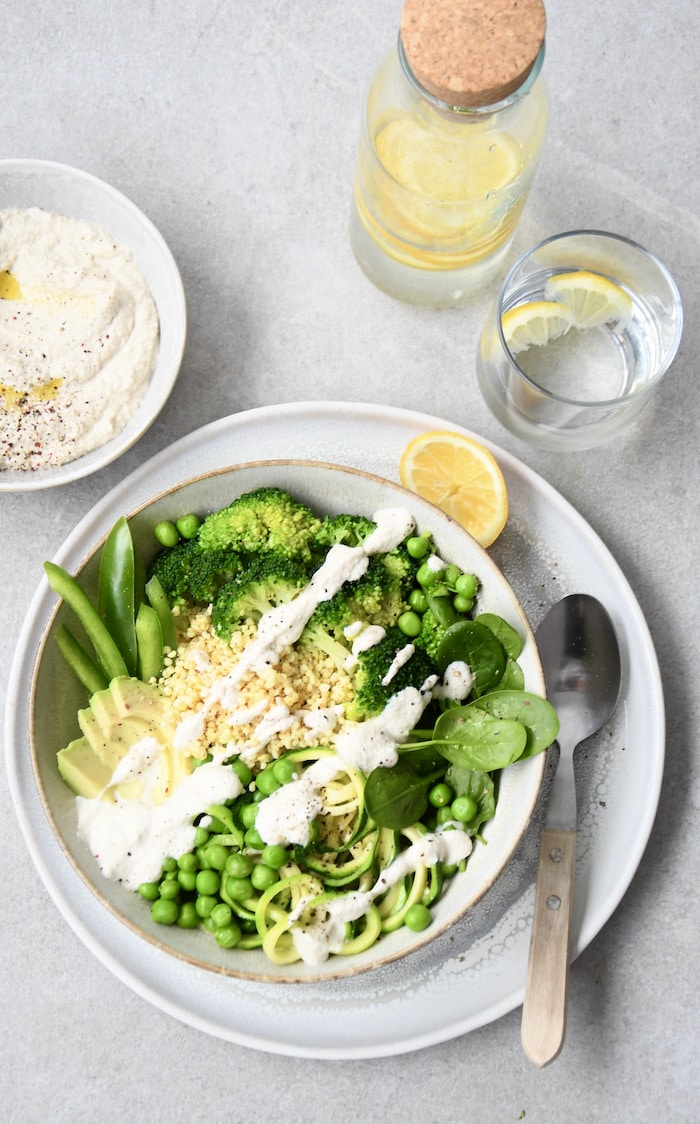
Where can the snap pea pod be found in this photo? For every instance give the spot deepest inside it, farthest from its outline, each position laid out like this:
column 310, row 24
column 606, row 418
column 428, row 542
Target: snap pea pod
column 87, row 671
column 149, row 638
column 106, row 650
column 158, row 600
column 116, row 591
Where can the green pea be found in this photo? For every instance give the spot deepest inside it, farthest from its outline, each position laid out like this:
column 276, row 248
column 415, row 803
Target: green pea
column 266, row 782
column 169, row 889
column 463, row 809
column 254, row 839
column 165, row 912
column 463, row 604
column 467, row 585
column 263, row 877
column 417, row 917
column 188, row 525
column 204, row 904
column 284, row 770
column 187, row 879
column 217, row 855
column 249, row 814
column 451, row 574
column 239, row 865
column 239, row 889
column 209, row 925
column 418, row 601
column 188, row 862
column 188, row 918
column 242, row 771
column 274, row 856
column 149, row 891
column 169, row 864
column 427, row 576
column 440, row 794
column 444, row 814
column 418, row 545
column 166, row 533
column 207, row 882
column 228, row 936
column 410, row 623
column 221, row 915
column 201, row 835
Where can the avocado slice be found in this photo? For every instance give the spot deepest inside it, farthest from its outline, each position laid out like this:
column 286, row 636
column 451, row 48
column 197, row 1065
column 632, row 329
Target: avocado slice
column 116, row 720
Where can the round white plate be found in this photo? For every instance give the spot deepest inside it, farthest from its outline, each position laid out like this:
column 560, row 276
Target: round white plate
column 476, row 972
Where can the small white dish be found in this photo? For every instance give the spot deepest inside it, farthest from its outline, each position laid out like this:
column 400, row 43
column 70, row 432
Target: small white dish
column 56, row 697
column 77, row 194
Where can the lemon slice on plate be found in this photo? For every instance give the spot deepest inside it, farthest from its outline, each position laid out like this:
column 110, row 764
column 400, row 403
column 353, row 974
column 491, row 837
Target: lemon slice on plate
column 460, row 477
column 534, row 324
column 590, row 298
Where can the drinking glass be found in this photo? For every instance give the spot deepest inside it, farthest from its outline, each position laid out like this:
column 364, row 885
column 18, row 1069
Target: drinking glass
column 582, row 388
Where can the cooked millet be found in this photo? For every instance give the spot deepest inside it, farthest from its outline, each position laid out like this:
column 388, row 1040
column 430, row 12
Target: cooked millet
column 301, row 680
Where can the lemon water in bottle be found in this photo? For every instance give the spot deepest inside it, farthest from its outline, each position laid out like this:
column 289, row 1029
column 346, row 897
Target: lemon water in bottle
column 452, row 129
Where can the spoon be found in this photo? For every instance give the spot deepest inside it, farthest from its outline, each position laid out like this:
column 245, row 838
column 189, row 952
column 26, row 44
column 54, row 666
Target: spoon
column 581, row 661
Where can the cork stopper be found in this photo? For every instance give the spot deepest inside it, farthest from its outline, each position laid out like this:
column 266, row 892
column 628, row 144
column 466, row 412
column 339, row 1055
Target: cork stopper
column 472, row 52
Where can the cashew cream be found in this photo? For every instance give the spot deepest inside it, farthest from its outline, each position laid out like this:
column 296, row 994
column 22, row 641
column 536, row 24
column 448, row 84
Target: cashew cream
column 78, row 338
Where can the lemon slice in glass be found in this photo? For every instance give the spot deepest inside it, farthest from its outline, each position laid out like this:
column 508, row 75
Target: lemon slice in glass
column 534, row 323
column 590, row 298
column 459, row 476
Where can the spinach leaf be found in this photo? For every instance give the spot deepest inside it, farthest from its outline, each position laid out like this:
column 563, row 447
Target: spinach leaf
column 481, row 789
column 475, row 645
column 513, row 677
column 398, row 796
column 508, row 637
column 475, row 739
column 534, row 713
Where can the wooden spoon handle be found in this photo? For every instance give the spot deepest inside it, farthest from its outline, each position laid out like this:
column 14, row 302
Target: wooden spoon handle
column 544, row 1008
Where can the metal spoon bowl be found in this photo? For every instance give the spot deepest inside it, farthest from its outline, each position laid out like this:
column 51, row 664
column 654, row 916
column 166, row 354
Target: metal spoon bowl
column 581, row 660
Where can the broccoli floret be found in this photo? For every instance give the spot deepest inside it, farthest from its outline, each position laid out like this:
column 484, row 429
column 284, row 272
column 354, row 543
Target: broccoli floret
column 430, row 635
column 267, row 581
column 370, row 694
column 266, row 520
column 188, row 573
column 351, row 530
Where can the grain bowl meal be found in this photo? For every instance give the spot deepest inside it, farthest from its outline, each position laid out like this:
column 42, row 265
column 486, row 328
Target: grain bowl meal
column 294, row 722
column 79, row 338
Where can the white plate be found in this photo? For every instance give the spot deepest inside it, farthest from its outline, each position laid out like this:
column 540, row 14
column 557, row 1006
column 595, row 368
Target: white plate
column 476, row 972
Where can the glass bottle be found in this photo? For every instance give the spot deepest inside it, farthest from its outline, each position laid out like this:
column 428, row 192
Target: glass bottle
column 453, row 126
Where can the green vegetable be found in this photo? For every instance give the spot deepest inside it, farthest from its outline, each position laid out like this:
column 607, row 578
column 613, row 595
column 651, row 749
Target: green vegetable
column 478, row 647
column 187, row 526
column 472, row 738
column 166, row 533
column 149, row 636
column 87, row 671
column 159, row 602
column 116, row 591
column 266, row 520
column 535, row 714
column 106, row 649
column 263, row 583
column 371, row 694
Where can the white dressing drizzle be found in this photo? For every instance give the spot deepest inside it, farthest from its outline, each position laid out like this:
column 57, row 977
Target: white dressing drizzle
column 315, row 942
column 130, row 839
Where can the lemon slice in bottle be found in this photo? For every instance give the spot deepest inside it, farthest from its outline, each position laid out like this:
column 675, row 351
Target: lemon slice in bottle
column 447, row 166
column 590, row 298
column 534, row 323
column 459, row 476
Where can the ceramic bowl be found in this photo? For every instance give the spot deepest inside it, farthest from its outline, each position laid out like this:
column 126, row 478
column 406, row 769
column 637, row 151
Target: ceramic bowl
column 56, row 697
column 77, row 194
